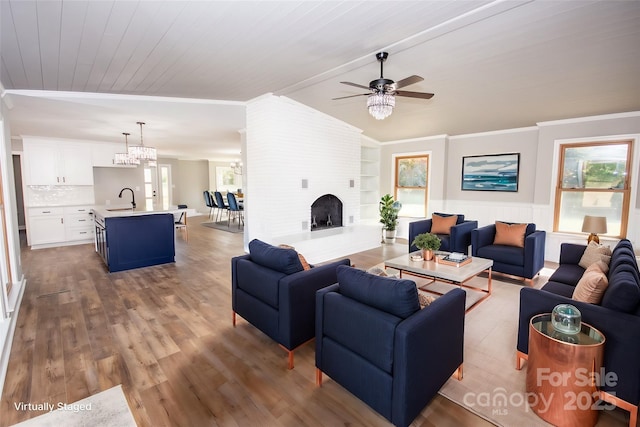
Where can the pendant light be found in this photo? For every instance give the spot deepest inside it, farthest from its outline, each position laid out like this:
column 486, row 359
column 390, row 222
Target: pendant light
column 125, row 158
column 142, row 152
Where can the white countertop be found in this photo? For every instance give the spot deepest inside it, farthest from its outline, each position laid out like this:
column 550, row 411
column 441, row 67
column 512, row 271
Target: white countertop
column 113, row 211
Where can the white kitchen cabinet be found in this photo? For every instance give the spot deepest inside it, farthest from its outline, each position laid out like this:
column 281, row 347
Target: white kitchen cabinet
column 50, row 162
column 46, row 225
column 78, row 222
column 54, row 226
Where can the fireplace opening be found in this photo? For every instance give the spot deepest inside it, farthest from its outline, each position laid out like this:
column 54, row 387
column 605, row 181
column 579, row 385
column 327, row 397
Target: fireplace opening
column 326, row 212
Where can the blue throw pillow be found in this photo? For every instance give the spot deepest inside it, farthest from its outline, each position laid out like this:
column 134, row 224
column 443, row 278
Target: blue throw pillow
column 280, row 259
column 395, row 296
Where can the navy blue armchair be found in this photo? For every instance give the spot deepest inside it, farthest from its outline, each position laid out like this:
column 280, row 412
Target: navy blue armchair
column 523, row 262
column 458, row 239
column 272, row 291
column 374, row 340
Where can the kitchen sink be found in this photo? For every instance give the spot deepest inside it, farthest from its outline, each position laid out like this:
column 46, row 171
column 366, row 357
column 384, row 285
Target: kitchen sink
column 120, row 209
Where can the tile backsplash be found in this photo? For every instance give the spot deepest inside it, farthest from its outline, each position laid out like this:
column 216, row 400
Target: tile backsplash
column 58, row 195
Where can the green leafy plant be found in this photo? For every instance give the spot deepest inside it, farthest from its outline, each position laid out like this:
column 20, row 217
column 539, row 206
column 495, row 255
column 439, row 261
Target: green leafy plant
column 389, row 209
column 427, row 241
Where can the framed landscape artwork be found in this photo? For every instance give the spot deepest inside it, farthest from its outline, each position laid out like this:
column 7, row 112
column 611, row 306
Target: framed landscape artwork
column 492, row 172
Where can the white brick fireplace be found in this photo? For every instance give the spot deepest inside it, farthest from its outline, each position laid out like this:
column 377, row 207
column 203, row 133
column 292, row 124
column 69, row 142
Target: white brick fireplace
column 294, row 155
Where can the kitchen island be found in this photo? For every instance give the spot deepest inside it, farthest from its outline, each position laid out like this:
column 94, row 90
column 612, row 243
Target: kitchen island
column 126, row 238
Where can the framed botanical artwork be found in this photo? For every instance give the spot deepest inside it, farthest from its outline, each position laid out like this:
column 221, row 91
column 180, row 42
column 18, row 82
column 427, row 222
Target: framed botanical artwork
column 491, row 172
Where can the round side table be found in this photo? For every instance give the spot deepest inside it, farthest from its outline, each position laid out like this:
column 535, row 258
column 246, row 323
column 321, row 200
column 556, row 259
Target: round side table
column 562, row 371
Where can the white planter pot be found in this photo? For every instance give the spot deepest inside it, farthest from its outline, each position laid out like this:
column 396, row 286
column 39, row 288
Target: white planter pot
column 390, row 236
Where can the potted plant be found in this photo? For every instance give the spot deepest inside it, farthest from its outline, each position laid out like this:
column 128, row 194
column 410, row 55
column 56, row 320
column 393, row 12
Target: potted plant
column 389, row 209
column 428, row 242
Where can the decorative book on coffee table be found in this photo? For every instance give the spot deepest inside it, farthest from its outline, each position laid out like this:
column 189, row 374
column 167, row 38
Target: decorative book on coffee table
column 455, row 259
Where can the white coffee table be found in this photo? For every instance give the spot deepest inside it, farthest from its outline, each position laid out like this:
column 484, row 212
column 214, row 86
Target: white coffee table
column 457, row 275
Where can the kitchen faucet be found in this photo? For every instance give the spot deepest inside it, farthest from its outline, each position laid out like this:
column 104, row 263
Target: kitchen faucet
column 133, row 197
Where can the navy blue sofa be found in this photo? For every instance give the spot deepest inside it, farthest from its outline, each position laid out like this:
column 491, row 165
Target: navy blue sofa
column 522, row 262
column 374, row 340
column 617, row 317
column 458, row 240
column 272, row 291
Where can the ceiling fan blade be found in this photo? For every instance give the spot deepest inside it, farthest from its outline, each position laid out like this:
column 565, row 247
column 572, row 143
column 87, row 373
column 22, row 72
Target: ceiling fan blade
column 351, row 96
column 408, row 94
column 408, row 81
column 355, row 84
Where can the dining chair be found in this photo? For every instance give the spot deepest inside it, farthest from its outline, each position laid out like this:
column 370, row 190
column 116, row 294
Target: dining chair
column 208, row 201
column 216, row 208
column 236, row 209
column 222, row 206
column 181, row 224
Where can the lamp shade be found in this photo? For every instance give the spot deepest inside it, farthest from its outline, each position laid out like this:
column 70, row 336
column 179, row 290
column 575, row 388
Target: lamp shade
column 594, row 224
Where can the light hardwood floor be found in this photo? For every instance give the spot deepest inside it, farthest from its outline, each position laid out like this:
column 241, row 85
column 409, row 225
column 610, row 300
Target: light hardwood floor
column 165, row 334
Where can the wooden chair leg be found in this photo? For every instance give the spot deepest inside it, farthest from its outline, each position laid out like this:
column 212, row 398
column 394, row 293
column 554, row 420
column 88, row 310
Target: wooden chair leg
column 520, row 357
column 458, row 373
column 290, row 359
column 318, row 377
column 289, row 356
column 234, row 319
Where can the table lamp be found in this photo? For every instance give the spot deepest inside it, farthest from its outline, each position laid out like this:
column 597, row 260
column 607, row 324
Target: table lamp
column 594, row 225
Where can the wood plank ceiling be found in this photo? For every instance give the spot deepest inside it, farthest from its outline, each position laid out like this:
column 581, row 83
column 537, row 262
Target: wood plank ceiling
column 492, row 65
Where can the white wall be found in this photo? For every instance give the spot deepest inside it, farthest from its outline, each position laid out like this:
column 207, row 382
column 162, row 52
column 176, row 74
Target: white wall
column 189, row 179
column 534, row 201
column 107, row 183
column 286, row 143
column 192, row 180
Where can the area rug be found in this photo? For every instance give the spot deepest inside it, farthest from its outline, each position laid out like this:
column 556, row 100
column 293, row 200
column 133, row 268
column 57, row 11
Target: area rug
column 108, row 408
column 222, row 225
column 491, row 386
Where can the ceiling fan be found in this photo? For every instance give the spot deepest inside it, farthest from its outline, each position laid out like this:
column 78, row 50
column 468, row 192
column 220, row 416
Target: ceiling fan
column 382, row 92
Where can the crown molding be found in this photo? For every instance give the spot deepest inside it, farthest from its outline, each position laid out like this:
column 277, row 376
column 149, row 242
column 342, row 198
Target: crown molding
column 494, row 132
column 421, row 138
column 613, row 116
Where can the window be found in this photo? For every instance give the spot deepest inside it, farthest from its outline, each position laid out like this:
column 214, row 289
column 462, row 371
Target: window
column 593, row 179
column 411, row 185
column 150, row 184
column 165, row 186
column 227, row 180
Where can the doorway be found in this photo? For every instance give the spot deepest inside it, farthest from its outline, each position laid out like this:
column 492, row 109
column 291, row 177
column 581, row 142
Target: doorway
column 150, row 187
column 17, row 178
column 165, row 186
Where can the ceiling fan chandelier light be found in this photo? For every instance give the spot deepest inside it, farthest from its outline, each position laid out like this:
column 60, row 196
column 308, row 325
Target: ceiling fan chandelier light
column 125, row 158
column 143, row 152
column 381, row 105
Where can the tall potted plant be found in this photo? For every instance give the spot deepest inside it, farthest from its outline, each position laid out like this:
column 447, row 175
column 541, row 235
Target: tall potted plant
column 389, row 209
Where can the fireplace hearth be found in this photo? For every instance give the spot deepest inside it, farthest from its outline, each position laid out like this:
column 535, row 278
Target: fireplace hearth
column 326, row 212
